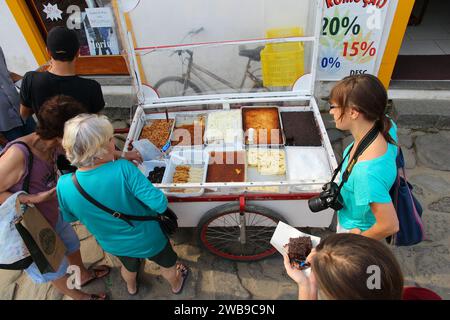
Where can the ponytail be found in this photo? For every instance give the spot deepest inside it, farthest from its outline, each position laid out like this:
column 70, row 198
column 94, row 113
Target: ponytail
column 384, row 124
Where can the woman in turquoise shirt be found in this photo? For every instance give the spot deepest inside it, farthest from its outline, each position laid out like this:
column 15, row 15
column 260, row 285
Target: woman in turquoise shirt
column 357, row 103
column 119, row 185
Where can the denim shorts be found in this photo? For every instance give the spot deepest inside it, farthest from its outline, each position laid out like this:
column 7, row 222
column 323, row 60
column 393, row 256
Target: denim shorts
column 72, row 243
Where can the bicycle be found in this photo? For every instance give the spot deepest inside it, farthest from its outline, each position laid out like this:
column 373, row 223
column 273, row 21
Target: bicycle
column 175, row 85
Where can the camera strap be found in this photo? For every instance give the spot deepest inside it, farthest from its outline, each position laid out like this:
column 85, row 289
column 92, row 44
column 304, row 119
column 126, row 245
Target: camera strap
column 363, row 145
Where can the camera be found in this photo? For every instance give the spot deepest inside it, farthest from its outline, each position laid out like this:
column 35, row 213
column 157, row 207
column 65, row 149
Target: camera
column 328, row 198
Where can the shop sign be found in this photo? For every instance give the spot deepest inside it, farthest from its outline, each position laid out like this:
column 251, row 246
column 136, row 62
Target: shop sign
column 350, row 37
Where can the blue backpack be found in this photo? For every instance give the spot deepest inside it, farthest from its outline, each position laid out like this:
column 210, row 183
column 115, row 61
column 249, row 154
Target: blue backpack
column 409, row 210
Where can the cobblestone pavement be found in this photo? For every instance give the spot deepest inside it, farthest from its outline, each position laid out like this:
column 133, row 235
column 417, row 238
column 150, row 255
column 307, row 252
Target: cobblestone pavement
column 426, row 264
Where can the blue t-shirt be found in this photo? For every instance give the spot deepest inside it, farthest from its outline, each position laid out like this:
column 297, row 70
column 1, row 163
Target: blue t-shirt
column 369, row 182
column 120, row 186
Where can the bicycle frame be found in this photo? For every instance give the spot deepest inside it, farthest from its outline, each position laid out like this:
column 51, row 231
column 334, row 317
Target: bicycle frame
column 196, row 70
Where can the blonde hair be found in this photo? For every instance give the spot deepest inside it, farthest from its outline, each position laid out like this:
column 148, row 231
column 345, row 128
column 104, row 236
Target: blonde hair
column 86, row 138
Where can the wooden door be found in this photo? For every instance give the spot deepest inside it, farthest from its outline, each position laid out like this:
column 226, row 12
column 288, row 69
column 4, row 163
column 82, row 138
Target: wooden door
column 99, row 43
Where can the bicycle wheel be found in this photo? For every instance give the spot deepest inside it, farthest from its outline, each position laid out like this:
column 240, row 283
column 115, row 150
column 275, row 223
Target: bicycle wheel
column 220, row 232
column 174, row 86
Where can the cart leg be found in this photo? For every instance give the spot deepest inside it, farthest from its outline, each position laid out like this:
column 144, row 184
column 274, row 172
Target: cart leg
column 242, row 236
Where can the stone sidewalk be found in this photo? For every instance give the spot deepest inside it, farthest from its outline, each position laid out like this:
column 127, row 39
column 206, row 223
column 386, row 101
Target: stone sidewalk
column 426, row 264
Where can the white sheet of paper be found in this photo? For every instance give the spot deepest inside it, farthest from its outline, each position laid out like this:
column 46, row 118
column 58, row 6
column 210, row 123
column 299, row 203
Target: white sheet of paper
column 281, row 237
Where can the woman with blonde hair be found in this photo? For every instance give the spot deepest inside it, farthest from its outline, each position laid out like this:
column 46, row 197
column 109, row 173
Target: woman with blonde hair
column 120, row 186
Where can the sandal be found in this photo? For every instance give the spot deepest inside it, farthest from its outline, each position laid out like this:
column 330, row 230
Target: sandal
column 184, row 270
column 97, row 272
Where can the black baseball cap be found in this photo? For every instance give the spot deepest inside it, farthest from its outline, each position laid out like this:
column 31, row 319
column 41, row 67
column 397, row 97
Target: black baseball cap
column 62, row 43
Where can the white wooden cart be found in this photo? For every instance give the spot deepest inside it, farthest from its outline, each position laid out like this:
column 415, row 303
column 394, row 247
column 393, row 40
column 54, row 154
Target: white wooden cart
column 232, row 222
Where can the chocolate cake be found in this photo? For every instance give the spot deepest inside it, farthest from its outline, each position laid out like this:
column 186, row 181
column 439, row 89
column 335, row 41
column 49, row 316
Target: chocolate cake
column 300, row 129
column 299, row 248
column 156, row 175
column 226, row 167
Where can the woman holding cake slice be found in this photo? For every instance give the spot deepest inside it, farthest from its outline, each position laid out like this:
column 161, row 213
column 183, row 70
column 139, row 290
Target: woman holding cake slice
column 353, row 267
column 358, row 104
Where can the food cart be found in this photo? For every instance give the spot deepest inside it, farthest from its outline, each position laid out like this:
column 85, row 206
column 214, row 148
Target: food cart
column 259, row 151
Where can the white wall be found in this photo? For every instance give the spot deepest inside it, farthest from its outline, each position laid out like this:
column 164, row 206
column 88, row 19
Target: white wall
column 18, row 54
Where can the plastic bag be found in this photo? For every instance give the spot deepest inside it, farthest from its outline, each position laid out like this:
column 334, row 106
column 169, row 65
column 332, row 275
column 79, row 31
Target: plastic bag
column 12, row 247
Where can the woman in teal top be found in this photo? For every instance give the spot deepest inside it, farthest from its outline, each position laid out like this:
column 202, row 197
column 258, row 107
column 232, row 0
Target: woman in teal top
column 119, row 185
column 358, row 103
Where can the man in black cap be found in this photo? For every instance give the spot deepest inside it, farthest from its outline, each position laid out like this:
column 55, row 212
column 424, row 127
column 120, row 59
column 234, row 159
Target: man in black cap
column 60, row 79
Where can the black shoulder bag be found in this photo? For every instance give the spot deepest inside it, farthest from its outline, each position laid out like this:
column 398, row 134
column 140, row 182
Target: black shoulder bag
column 167, row 220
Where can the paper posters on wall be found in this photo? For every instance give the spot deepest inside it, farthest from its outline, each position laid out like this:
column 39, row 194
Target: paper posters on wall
column 350, row 37
column 101, row 32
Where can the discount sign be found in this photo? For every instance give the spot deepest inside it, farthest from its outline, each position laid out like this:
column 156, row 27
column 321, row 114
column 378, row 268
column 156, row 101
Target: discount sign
column 350, row 38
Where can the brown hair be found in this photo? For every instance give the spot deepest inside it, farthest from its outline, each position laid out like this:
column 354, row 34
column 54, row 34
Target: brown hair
column 54, row 113
column 366, row 94
column 342, row 266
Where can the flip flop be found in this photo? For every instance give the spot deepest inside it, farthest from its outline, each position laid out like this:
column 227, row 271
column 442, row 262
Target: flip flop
column 97, row 272
column 94, row 296
column 184, row 274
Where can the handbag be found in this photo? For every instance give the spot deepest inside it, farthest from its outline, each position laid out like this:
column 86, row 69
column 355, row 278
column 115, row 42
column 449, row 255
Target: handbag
column 167, row 220
column 409, row 211
column 45, row 247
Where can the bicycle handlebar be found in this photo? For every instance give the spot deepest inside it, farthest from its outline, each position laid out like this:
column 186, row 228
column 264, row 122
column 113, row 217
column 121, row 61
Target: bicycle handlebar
column 180, row 51
column 196, row 31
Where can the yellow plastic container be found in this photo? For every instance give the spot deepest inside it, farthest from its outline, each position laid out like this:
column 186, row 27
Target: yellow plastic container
column 282, row 63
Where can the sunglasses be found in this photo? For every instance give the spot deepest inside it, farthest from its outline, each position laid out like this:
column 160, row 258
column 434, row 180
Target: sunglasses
column 332, row 106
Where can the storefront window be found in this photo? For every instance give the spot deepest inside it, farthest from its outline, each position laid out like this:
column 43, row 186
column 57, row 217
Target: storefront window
column 93, row 20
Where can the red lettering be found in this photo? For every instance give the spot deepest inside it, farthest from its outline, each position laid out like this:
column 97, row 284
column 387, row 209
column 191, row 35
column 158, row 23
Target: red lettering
column 381, row 3
column 378, row 3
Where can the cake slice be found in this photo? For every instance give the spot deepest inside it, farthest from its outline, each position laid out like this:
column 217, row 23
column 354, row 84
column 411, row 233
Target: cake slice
column 299, row 249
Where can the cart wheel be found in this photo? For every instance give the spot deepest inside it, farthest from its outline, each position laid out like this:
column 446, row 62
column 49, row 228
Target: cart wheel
column 220, row 232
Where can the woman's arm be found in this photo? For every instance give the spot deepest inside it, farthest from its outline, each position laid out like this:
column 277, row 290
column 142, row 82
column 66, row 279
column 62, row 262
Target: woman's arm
column 12, row 168
column 143, row 189
column 386, row 221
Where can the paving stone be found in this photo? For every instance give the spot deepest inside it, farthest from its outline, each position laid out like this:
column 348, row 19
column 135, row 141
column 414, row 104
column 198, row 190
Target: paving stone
column 421, row 113
column 410, row 158
column 8, row 277
column 28, row 290
column 119, row 124
column 347, row 140
column 267, row 279
column 403, row 131
column 8, row 292
column 337, row 149
column 335, row 135
column 219, row 280
column 431, row 153
column 81, row 231
column 417, row 133
column 405, row 141
column 430, row 184
column 442, row 205
column 91, row 252
column 436, row 226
